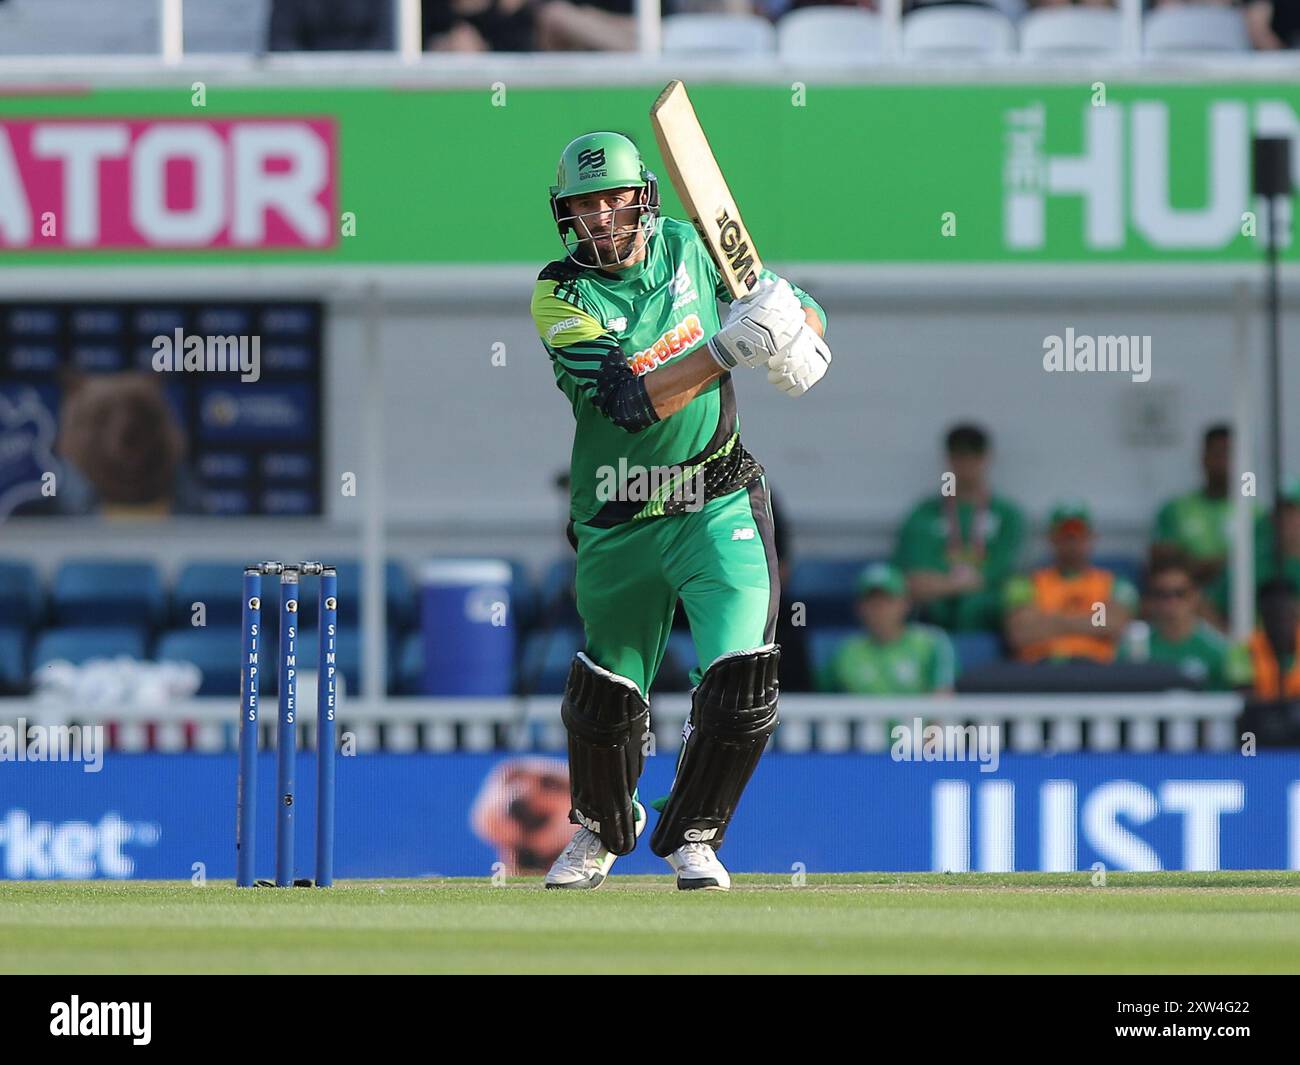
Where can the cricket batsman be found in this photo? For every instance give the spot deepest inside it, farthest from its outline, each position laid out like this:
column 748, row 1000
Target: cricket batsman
column 666, row 504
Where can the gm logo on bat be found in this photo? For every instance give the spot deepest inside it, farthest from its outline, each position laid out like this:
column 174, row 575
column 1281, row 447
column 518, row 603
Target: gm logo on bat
column 735, row 245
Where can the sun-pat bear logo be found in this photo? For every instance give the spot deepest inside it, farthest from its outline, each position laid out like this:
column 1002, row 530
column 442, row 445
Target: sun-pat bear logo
column 683, row 335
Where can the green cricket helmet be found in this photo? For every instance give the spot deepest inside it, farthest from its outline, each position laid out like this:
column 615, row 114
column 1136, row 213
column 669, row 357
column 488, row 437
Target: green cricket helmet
column 595, row 162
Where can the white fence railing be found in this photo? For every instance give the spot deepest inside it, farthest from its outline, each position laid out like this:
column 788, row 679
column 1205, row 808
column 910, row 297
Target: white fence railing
column 1178, row 721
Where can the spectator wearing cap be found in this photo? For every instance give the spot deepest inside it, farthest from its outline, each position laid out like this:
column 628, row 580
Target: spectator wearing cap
column 1053, row 613
column 956, row 550
column 1182, row 638
column 891, row 657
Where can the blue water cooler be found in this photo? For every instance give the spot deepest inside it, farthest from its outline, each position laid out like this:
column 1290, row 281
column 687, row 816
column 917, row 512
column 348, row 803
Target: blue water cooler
column 469, row 627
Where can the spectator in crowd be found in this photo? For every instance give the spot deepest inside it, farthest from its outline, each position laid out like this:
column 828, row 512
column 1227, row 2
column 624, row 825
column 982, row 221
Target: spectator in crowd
column 330, row 26
column 1181, row 637
column 480, row 25
column 959, row 547
column 1273, row 24
column 1288, row 521
column 1275, row 645
column 891, row 657
column 1197, row 525
column 1218, row 591
column 593, row 26
column 1053, row 614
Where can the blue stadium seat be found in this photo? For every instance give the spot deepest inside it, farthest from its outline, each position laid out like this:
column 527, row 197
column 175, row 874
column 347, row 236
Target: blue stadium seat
column 347, row 657
column 1122, row 566
column 88, row 592
column 216, row 650
column 399, row 594
column 974, row 649
column 80, row 644
column 822, row 644
column 556, row 605
column 546, row 660
column 215, row 584
column 825, row 587
column 410, row 665
column 13, row 658
column 681, row 650
column 22, row 603
column 523, row 599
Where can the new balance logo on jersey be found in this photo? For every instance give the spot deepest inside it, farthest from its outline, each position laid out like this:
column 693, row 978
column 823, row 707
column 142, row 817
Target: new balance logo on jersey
column 682, row 287
column 742, row 534
column 616, row 325
column 699, row 835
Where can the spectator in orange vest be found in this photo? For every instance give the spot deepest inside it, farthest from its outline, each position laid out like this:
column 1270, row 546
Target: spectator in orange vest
column 1071, row 609
column 1275, row 646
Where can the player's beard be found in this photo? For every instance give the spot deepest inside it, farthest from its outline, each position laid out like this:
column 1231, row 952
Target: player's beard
column 618, row 250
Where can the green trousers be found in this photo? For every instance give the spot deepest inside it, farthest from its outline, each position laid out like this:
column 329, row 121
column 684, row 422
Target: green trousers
column 720, row 561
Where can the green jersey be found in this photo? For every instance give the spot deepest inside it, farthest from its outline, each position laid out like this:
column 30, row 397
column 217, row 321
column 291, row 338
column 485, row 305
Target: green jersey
column 920, row 661
column 1205, row 657
column 1196, row 523
column 941, row 531
column 604, row 332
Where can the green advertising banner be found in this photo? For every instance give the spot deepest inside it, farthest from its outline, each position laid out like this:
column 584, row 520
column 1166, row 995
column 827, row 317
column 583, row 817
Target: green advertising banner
column 845, row 174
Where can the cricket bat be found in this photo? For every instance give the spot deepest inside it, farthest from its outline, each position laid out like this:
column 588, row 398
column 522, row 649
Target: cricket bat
column 703, row 190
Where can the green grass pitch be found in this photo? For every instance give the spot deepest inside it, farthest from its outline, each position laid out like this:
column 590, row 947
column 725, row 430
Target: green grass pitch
column 894, row 923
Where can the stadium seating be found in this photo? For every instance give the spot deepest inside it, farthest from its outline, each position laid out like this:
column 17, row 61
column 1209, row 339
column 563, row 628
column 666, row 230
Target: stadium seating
column 1195, row 29
column 544, row 665
column 718, row 35
column 13, row 659
column 399, row 596
column 556, row 595
column 81, row 644
column 820, row 34
column 22, row 603
column 975, row 649
column 215, row 650
column 822, row 645
column 956, row 31
column 214, row 584
column 826, row 588
column 1056, row 31
column 91, row 592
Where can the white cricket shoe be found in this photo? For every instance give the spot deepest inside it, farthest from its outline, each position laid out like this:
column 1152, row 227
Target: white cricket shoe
column 585, row 862
column 697, row 867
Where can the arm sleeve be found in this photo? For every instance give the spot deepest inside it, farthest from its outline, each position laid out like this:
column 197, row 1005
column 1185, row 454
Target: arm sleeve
column 590, row 361
column 723, row 293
